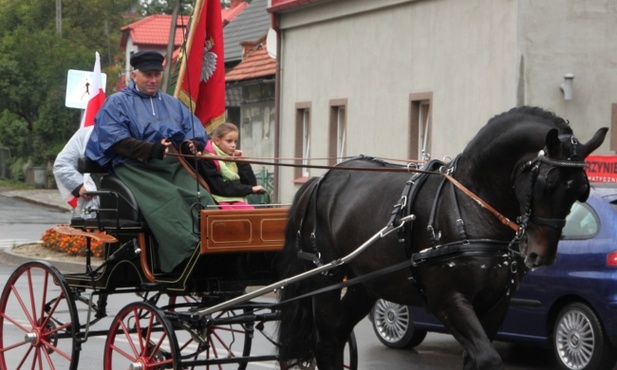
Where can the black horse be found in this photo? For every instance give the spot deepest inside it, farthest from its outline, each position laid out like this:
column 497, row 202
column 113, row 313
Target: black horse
column 525, row 165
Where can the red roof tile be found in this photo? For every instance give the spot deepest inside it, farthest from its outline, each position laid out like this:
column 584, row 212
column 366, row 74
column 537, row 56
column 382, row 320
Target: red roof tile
column 153, row 31
column 229, row 14
column 257, row 64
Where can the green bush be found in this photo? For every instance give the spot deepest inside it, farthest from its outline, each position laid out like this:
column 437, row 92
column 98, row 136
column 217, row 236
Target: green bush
column 18, row 169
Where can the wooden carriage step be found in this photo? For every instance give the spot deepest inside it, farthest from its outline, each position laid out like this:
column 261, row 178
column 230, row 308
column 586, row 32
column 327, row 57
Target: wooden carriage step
column 96, row 235
column 250, row 230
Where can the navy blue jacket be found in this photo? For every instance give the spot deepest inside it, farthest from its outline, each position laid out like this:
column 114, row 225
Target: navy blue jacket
column 132, row 114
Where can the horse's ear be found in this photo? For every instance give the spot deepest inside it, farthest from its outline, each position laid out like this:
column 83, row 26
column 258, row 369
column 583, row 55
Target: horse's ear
column 553, row 145
column 595, row 141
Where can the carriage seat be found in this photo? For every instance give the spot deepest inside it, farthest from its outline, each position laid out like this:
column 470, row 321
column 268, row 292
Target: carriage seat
column 118, row 207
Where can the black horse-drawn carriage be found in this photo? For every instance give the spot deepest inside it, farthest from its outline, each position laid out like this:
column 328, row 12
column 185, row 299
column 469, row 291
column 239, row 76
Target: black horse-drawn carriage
column 56, row 313
column 451, row 250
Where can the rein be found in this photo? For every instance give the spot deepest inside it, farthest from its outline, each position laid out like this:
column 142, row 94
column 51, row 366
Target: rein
column 277, row 164
column 519, row 228
column 504, row 220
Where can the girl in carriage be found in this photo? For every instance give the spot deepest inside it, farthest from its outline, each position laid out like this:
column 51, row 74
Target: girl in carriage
column 230, row 182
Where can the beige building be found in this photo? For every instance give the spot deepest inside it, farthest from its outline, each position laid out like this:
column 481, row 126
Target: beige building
column 391, row 77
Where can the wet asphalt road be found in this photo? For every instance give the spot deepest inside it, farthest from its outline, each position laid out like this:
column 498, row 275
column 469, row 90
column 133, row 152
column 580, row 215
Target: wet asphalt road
column 23, row 222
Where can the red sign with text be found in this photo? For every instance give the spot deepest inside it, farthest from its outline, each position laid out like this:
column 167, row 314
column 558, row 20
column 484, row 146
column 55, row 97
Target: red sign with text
column 602, row 168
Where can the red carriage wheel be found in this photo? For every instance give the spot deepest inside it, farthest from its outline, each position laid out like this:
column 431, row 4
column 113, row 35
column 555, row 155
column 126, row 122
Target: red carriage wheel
column 223, row 338
column 351, row 353
column 39, row 325
column 141, row 337
column 226, row 338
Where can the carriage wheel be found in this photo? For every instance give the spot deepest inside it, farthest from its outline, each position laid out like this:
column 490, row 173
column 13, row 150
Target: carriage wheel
column 220, row 341
column 350, row 361
column 39, row 325
column 141, row 337
column 351, row 353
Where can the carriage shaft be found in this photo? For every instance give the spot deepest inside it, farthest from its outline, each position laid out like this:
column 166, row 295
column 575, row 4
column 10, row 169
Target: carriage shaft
column 281, row 284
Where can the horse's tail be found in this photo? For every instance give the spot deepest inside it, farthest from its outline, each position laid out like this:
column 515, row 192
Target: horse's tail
column 296, row 331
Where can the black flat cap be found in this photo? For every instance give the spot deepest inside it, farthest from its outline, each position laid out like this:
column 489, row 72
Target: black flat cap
column 147, row 61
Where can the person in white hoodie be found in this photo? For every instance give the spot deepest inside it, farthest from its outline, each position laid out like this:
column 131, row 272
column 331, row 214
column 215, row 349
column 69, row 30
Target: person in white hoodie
column 72, row 184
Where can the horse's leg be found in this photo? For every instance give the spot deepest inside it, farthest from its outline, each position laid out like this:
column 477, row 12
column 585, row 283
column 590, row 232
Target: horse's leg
column 326, row 313
column 335, row 319
column 356, row 304
column 460, row 319
column 492, row 320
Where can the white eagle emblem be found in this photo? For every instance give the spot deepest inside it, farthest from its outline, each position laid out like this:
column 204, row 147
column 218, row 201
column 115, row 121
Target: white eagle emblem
column 209, row 63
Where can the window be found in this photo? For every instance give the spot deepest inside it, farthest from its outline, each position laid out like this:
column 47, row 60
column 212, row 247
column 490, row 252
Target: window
column 303, row 140
column 420, row 125
column 338, row 131
column 581, row 223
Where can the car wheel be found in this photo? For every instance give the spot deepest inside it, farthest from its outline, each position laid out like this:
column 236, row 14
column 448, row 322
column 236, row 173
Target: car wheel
column 393, row 325
column 579, row 341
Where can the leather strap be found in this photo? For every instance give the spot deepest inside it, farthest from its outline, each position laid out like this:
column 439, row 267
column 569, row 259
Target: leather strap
column 504, row 220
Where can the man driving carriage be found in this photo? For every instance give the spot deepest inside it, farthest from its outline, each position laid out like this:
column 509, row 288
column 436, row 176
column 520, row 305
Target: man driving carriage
column 132, row 134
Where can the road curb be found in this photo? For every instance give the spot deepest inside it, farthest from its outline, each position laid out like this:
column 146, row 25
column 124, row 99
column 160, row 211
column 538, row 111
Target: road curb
column 41, row 203
column 42, row 197
column 13, row 259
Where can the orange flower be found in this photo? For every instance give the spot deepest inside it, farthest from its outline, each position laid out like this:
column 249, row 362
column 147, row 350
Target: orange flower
column 71, row 244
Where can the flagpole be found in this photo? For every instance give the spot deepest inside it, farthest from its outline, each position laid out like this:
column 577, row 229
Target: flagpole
column 188, row 44
column 170, row 45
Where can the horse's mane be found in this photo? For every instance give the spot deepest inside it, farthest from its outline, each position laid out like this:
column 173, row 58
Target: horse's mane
column 531, row 114
column 519, row 129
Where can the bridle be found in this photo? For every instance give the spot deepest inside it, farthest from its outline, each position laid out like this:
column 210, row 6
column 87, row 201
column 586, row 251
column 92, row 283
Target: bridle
column 538, row 185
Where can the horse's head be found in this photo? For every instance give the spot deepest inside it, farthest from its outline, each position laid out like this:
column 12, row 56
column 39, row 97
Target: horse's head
column 547, row 187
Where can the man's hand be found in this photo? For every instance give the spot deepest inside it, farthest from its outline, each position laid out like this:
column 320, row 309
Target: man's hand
column 167, row 144
column 82, row 193
column 192, row 148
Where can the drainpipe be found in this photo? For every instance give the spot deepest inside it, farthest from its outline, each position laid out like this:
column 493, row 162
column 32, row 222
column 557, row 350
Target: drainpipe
column 277, row 106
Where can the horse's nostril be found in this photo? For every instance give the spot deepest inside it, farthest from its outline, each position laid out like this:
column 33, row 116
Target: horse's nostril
column 532, row 260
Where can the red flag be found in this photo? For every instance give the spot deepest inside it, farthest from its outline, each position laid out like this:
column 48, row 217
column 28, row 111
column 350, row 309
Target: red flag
column 201, row 84
column 97, row 97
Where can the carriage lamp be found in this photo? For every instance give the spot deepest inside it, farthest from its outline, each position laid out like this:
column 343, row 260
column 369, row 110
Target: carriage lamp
column 567, row 87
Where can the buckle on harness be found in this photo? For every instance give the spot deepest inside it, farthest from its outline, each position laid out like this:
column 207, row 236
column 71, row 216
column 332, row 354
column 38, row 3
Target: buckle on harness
column 432, row 235
column 460, row 225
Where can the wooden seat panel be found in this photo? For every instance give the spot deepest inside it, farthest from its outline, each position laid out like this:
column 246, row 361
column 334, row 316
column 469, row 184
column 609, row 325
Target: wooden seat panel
column 250, row 230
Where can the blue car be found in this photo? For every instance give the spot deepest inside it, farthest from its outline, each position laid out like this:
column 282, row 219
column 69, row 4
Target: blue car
column 570, row 306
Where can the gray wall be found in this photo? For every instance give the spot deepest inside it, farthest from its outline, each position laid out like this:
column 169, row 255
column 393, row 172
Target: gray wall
column 477, row 57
